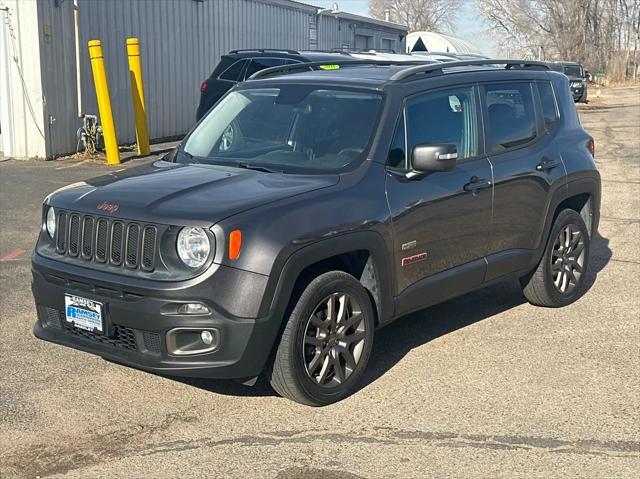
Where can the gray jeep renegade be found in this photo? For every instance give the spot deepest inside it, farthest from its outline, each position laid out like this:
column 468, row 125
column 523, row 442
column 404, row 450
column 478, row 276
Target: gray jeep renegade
column 315, row 204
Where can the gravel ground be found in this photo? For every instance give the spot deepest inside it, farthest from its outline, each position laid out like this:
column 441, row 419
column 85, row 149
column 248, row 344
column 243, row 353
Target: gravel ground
column 482, row 386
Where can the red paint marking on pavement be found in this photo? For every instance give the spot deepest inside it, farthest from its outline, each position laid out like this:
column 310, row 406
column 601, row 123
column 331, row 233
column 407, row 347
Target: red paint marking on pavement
column 13, row 255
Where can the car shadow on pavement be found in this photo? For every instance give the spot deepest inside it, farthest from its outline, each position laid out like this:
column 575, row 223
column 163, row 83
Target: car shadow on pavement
column 395, row 341
column 229, row 387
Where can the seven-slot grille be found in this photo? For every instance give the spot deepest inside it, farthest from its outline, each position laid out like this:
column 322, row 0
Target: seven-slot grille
column 104, row 240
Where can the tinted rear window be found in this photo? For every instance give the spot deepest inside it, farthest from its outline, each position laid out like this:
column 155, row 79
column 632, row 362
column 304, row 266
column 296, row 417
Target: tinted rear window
column 225, row 62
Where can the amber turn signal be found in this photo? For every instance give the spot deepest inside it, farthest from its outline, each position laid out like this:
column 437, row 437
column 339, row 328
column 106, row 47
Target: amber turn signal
column 235, row 243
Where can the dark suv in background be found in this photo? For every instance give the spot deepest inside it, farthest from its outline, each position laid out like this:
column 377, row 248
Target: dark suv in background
column 578, row 79
column 238, row 65
column 349, row 197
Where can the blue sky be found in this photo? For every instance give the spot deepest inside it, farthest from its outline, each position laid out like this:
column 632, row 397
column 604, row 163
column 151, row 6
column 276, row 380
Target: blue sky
column 468, row 26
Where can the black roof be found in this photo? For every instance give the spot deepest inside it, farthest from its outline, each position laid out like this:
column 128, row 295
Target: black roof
column 362, row 75
column 375, row 74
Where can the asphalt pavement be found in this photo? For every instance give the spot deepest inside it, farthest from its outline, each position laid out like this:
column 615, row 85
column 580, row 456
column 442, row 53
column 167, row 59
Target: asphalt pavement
column 485, row 385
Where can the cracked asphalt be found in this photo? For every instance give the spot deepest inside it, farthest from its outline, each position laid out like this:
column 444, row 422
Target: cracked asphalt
column 482, row 386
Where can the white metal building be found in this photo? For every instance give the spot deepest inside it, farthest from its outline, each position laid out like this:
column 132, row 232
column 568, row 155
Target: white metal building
column 437, row 42
column 45, row 74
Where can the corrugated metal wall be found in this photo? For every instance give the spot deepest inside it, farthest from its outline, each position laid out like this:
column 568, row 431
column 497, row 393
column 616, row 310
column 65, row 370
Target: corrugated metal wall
column 181, row 42
column 58, row 71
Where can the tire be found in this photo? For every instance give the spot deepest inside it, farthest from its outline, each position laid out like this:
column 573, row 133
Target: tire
column 320, row 359
column 559, row 278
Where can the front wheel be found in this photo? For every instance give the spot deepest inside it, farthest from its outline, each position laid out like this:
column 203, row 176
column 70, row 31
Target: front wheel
column 326, row 342
column 559, row 278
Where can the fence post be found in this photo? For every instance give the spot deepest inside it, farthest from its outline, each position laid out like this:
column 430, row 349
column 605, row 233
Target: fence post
column 104, row 102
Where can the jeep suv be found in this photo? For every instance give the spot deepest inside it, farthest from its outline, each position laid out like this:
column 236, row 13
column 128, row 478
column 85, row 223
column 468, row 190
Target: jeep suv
column 238, row 65
column 348, row 198
column 577, row 79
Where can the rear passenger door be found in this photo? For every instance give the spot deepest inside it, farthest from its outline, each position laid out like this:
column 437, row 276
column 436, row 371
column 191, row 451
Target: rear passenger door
column 519, row 130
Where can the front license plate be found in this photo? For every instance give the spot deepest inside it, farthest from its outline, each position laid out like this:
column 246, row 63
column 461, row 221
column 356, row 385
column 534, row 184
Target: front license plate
column 83, row 313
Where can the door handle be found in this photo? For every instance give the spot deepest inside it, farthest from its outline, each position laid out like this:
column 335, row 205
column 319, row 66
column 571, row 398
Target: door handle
column 547, row 164
column 476, row 184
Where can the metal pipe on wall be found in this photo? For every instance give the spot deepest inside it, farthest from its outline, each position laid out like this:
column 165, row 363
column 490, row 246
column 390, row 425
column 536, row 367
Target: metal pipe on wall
column 76, row 34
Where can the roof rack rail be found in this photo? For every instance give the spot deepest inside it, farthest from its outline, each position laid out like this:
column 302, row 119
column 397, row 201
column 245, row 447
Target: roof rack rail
column 331, row 50
column 317, row 65
column 438, row 67
column 265, row 50
column 364, row 50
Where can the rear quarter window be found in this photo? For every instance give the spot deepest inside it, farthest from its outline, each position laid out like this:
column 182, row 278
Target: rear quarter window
column 234, row 72
column 257, row 64
column 548, row 105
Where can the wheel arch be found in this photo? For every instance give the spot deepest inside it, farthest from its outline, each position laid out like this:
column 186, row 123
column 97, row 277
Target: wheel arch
column 363, row 255
column 581, row 195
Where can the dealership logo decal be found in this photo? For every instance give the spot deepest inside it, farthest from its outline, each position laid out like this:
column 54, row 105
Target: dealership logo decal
column 110, row 208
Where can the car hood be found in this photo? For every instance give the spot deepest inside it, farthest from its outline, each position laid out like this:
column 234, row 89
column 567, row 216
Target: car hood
column 177, row 194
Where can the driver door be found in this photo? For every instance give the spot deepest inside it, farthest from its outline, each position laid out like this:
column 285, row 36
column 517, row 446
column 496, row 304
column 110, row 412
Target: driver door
column 440, row 220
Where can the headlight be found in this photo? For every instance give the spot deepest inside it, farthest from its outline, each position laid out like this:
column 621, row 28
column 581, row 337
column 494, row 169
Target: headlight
column 51, row 222
column 193, row 246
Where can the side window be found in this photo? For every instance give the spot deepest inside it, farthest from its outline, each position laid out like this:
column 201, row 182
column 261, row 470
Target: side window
column 511, row 115
column 447, row 116
column 548, row 104
column 234, row 71
column 257, row 64
column 396, row 158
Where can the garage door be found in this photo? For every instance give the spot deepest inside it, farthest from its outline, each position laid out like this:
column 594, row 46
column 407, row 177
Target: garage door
column 387, row 45
column 363, row 42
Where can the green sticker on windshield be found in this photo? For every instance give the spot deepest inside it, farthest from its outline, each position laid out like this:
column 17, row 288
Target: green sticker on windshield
column 329, row 67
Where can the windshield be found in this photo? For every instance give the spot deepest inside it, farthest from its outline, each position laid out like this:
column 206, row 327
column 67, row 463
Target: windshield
column 573, row 71
column 298, row 128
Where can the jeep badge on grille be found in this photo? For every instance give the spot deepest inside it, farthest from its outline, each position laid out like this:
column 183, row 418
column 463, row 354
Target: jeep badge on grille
column 110, row 208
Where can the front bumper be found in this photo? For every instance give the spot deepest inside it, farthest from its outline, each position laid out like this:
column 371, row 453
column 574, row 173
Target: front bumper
column 137, row 320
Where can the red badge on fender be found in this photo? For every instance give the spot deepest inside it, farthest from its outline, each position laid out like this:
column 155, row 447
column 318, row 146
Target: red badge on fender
column 414, row 259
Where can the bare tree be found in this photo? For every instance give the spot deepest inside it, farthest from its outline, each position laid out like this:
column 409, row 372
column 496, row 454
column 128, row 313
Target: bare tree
column 602, row 34
column 418, row 15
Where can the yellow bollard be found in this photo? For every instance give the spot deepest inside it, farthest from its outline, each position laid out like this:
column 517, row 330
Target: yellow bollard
column 104, row 102
column 137, row 94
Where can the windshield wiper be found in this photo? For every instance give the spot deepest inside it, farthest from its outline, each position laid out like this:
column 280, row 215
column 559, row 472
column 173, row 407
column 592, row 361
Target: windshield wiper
column 249, row 166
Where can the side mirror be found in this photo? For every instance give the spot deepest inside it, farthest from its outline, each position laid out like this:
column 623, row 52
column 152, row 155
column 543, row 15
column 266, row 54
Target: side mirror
column 430, row 157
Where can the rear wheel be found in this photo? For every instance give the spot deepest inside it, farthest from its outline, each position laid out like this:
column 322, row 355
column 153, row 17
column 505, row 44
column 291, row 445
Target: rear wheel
column 326, row 342
column 559, row 278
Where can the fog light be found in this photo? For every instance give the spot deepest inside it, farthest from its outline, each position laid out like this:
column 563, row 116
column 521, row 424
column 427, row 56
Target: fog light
column 207, row 337
column 187, row 341
column 193, row 308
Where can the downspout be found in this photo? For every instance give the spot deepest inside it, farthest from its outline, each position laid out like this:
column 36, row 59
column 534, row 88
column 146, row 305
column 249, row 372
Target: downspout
column 76, row 34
